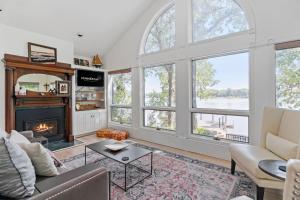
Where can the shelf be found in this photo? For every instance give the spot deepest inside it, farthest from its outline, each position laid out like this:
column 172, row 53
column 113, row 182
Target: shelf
column 38, row 96
column 90, row 100
column 90, row 109
column 89, row 68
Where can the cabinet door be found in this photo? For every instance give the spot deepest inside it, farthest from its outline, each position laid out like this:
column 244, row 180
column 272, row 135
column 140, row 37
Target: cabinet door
column 97, row 121
column 102, row 118
column 81, row 123
column 91, row 121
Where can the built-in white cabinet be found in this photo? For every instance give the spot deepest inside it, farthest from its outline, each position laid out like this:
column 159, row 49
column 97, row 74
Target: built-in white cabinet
column 90, row 121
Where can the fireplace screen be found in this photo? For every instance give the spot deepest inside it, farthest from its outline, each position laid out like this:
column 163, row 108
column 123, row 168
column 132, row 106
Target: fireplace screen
column 46, row 127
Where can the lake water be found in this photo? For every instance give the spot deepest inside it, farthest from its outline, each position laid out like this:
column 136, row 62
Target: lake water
column 224, row 103
column 239, row 124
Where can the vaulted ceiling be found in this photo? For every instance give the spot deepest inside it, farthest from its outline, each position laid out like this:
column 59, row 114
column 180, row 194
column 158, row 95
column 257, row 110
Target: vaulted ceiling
column 102, row 22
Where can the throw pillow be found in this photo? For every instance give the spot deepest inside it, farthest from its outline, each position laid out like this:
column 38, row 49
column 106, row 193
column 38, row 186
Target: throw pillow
column 3, row 133
column 17, row 176
column 18, row 138
column 41, row 160
column 281, row 147
column 56, row 161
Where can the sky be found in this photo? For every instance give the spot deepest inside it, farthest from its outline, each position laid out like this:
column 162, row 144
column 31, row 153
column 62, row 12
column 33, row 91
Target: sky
column 232, row 71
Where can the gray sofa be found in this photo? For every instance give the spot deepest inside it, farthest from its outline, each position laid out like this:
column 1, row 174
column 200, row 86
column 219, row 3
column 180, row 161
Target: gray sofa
column 89, row 182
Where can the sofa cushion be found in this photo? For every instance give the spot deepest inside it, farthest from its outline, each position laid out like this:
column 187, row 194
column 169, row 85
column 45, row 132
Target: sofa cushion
column 249, row 156
column 17, row 176
column 290, row 126
column 281, row 147
column 18, row 138
column 40, row 158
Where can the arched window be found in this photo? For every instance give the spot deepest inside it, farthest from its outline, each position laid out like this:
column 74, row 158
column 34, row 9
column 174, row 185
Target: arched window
column 214, row 18
column 162, row 33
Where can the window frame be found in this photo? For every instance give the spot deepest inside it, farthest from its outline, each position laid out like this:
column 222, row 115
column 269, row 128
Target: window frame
column 150, row 26
column 191, row 19
column 111, row 105
column 156, row 108
column 216, row 111
column 280, row 47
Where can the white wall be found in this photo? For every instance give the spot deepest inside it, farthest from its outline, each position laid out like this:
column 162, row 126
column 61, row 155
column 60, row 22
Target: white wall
column 15, row 42
column 2, row 78
column 271, row 22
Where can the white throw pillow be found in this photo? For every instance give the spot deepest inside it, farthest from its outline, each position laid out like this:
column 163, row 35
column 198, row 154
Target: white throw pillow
column 18, row 138
column 40, row 158
column 281, row 147
column 3, row 133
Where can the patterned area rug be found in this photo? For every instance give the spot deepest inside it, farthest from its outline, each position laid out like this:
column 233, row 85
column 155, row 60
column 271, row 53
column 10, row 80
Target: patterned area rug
column 174, row 177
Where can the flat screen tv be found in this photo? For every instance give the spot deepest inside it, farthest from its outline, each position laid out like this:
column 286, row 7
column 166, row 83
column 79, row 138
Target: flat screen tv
column 87, row 78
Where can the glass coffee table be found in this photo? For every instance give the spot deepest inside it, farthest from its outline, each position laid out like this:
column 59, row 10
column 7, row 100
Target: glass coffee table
column 132, row 153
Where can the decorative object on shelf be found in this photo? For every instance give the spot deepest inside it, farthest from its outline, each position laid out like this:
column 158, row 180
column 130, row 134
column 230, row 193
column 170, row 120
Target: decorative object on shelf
column 76, row 61
column 22, row 91
column 41, row 54
column 81, row 62
column 17, row 88
column 52, row 90
column 97, row 61
column 77, row 106
column 63, row 88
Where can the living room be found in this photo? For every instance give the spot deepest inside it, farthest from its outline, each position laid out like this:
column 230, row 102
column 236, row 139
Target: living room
column 141, row 99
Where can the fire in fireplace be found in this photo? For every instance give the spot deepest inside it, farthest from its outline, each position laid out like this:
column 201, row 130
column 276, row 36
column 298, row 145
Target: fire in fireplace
column 46, row 127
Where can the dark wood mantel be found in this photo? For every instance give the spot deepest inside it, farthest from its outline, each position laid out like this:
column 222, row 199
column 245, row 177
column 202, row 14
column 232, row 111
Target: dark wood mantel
column 15, row 67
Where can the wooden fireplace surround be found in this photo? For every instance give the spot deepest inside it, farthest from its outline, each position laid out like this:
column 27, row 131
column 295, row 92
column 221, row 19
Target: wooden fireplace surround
column 15, row 67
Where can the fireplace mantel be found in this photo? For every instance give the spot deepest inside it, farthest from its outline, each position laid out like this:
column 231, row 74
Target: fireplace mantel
column 15, row 67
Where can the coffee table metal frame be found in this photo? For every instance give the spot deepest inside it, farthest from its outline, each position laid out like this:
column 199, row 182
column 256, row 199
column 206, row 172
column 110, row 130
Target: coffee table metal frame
column 125, row 188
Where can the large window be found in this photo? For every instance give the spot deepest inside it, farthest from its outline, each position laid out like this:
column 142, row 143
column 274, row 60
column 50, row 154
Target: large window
column 221, row 97
column 288, row 75
column 120, row 105
column 214, row 18
column 159, row 97
column 162, row 33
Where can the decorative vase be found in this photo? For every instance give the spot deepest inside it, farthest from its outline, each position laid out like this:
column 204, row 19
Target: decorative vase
column 17, row 88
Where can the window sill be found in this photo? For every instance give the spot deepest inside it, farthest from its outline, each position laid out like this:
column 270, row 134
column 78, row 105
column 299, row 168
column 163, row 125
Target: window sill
column 213, row 141
column 162, row 131
column 110, row 123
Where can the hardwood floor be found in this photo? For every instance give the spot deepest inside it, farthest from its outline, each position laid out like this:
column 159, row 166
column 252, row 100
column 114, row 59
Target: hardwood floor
column 66, row 153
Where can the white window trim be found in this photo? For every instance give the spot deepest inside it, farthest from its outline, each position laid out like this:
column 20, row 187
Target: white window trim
column 110, row 106
column 158, row 108
column 151, row 24
column 244, row 6
column 241, row 113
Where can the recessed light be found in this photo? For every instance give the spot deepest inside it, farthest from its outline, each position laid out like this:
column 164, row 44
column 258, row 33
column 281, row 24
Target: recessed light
column 80, row 35
column 0, row 10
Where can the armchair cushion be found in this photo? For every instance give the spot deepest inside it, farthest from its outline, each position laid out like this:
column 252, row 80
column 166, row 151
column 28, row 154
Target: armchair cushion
column 281, row 147
column 290, row 126
column 250, row 156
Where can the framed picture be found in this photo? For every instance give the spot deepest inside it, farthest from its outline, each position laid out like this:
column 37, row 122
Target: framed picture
column 63, row 88
column 76, row 61
column 41, row 54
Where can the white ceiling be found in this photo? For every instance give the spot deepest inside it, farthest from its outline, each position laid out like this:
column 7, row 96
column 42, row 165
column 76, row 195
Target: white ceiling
column 102, row 22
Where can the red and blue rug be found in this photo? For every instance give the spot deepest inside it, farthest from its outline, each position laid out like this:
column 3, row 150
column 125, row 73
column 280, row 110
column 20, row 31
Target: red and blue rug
column 175, row 177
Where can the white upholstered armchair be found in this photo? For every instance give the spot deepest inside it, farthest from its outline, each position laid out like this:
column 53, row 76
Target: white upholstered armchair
column 279, row 141
column 291, row 189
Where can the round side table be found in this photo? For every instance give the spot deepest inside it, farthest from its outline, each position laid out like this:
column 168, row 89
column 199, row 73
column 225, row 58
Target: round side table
column 274, row 168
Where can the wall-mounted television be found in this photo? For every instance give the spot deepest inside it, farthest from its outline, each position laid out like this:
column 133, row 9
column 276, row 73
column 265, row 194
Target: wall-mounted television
column 87, row 78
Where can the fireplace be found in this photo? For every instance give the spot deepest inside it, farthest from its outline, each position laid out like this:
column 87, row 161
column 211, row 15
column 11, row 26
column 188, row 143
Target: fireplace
column 48, row 122
column 46, row 127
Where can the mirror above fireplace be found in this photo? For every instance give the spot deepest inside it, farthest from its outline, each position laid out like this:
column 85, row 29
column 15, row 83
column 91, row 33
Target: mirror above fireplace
column 36, row 82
